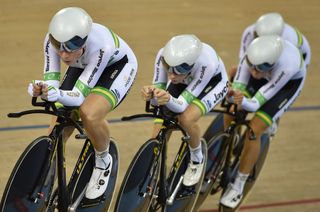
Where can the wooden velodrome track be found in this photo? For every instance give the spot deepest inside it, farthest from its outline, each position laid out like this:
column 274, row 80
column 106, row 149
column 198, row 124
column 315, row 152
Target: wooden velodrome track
column 290, row 178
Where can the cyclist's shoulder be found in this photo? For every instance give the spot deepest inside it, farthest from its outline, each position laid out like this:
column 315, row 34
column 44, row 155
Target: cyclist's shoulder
column 209, row 58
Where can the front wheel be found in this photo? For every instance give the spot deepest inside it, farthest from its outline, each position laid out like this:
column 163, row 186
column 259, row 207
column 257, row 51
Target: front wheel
column 140, row 181
column 31, row 181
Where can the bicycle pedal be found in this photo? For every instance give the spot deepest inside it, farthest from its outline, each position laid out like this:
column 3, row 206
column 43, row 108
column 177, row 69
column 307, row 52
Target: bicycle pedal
column 205, row 186
column 185, row 192
column 87, row 203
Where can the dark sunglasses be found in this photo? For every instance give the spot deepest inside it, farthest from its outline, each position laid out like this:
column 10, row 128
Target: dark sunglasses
column 71, row 45
column 261, row 67
column 184, row 68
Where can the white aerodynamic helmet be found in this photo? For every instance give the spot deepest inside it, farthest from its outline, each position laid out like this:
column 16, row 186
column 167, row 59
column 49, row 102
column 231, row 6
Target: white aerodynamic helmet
column 182, row 51
column 263, row 52
column 69, row 28
column 269, row 24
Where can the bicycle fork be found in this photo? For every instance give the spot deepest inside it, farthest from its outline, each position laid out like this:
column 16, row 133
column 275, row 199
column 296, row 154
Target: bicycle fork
column 63, row 194
column 163, row 187
column 48, row 168
column 227, row 167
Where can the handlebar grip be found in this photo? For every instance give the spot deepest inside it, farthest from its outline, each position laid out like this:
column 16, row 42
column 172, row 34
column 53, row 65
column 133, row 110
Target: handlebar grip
column 81, row 136
column 14, row 115
column 126, row 118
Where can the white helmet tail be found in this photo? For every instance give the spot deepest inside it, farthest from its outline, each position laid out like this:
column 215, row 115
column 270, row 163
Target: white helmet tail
column 269, row 24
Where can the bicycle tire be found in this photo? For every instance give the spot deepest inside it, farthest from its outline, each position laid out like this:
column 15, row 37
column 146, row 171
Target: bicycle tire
column 265, row 142
column 25, row 176
column 187, row 196
column 138, row 186
column 215, row 127
column 215, row 163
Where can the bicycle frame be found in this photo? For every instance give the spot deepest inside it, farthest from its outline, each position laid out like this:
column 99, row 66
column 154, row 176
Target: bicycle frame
column 169, row 125
column 226, row 148
column 232, row 132
column 57, row 151
column 164, row 197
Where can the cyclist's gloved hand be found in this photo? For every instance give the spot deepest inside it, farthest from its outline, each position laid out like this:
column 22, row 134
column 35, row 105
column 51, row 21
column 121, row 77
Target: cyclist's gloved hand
column 161, row 96
column 229, row 96
column 35, row 88
column 147, row 92
column 50, row 93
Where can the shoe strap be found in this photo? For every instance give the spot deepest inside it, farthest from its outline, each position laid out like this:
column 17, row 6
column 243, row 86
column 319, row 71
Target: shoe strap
column 196, row 163
column 103, row 168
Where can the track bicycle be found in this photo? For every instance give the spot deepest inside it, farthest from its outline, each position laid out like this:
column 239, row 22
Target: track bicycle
column 224, row 152
column 32, row 185
column 146, row 185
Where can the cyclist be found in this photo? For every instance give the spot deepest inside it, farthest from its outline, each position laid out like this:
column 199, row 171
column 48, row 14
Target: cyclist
column 269, row 79
column 273, row 24
column 189, row 79
column 101, row 69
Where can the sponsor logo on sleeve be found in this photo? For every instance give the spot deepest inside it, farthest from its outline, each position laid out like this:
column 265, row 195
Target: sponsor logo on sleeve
column 221, row 94
column 157, row 70
column 129, row 78
column 275, row 82
column 200, row 78
column 47, row 56
column 94, row 71
column 73, row 94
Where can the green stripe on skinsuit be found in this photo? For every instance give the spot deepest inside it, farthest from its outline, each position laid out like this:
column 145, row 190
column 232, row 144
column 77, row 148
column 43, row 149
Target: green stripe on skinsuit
column 83, row 88
column 188, row 96
column 261, row 99
column 239, row 86
column 200, row 105
column 160, row 85
column 52, row 76
column 264, row 117
column 112, row 99
column 300, row 39
column 115, row 38
column 242, row 87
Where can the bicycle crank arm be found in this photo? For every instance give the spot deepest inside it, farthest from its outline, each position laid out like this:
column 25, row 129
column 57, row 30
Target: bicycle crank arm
column 174, row 193
column 75, row 205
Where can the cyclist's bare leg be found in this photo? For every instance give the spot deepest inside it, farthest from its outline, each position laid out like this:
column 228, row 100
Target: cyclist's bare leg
column 93, row 113
column 188, row 119
column 156, row 128
column 249, row 157
column 251, row 148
